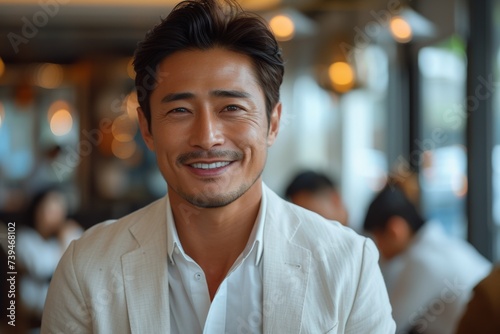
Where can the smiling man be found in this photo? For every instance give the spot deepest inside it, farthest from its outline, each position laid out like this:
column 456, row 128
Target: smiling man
column 221, row 253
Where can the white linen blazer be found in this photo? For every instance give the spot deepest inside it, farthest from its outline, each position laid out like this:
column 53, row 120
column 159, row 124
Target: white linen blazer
column 318, row 277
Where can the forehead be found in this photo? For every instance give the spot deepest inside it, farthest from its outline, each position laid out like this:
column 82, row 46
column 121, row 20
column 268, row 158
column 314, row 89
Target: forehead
column 217, row 67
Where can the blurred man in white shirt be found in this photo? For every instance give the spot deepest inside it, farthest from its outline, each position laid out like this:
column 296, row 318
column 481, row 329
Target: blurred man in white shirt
column 429, row 275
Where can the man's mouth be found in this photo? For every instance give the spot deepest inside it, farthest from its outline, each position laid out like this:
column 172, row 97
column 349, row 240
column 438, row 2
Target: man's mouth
column 212, row 165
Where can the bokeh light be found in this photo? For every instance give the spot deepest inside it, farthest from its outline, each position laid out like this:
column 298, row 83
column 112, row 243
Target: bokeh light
column 123, row 150
column 282, row 27
column 401, row 29
column 123, row 128
column 49, row 75
column 61, row 122
column 55, row 106
column 342, row 76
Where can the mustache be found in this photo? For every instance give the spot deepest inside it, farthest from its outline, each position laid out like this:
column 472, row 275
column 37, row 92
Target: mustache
column 224, row 154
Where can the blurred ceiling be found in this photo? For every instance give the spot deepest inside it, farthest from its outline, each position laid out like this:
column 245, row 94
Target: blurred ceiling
column 64, row 31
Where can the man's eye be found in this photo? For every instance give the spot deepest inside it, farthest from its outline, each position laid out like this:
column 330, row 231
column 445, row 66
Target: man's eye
column 232, row 108
column 179, row 110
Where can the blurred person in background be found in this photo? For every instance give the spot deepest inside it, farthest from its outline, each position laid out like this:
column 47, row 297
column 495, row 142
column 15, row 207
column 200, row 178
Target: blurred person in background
column 221, row 252
column 429, row 275
column 318, row 193
column 40, row 245
column 483, row 310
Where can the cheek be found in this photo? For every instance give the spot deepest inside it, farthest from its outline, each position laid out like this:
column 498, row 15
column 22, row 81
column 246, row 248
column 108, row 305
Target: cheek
column 168, row 139
column 248, row 137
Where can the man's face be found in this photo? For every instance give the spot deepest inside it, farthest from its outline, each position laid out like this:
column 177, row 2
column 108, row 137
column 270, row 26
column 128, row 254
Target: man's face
column 208, row 126
column 385, row 244
column 394, row 239
column 326, row 203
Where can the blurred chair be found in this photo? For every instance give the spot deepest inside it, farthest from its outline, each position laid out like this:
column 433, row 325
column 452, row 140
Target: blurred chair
column 483, row 311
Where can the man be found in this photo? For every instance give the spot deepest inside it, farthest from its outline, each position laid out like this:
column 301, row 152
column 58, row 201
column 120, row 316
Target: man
column 316, row 192
column 221, row 253
column 429, row 275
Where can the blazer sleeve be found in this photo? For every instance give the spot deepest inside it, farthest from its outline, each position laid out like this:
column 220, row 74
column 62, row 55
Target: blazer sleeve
column 371, row 310
column 65, row 308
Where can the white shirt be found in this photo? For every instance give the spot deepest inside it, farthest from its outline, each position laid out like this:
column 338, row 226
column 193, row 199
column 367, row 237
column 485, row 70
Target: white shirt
column 237, row 304
column 430, row 283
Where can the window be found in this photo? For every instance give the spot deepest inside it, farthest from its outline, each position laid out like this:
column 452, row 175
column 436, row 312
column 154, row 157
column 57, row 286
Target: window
column 443, row 163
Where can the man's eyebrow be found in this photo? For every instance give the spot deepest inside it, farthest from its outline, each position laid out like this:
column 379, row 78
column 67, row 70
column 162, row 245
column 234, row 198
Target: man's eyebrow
column 230, row 93
column 176, row 97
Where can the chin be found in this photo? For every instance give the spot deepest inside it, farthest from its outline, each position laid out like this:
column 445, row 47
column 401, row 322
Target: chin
column 210, row 201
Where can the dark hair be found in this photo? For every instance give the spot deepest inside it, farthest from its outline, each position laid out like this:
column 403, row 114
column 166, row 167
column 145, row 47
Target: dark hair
column 391, row 201
column 309, row 181
column 206, row 24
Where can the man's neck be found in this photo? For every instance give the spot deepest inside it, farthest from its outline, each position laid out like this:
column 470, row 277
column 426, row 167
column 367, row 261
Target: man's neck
column 215, row 237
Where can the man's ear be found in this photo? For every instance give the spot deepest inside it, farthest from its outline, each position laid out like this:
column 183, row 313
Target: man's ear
column 274, row 124
column 145, row 131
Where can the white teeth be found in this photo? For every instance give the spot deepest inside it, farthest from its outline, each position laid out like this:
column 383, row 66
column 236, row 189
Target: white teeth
column 211, row 166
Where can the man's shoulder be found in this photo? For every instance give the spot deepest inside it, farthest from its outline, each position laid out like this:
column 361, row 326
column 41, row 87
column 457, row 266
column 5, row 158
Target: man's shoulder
column 315, row 226
column 307, row 226
column 115, row 235
column 333, row 248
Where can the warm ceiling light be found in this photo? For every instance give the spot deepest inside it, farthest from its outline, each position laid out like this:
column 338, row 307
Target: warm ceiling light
column 55, row 106
column 61, row 122
column 49, row 76
column 341, row 75
column 401, row 29
column 282, row 27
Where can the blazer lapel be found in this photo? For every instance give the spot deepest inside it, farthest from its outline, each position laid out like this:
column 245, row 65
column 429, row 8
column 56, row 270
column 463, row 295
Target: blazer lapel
column 286, row 271
column 145, row 274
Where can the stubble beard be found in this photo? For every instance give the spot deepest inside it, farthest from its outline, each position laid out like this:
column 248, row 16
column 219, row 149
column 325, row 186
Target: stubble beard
column 214, row 194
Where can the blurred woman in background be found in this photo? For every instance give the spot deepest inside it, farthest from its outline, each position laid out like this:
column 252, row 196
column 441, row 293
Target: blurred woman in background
column 40, row 244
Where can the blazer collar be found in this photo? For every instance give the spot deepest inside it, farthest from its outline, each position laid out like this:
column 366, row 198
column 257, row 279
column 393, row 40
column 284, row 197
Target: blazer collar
column 285, row 275
column 286, row 269
column 145, row 272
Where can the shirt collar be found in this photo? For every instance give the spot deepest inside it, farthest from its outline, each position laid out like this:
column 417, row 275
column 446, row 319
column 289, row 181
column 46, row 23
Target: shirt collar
column 172, row 236
column 257, row 235
column 255, row 240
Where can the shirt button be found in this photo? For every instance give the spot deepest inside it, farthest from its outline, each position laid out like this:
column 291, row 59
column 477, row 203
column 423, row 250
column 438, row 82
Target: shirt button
column 198, row 276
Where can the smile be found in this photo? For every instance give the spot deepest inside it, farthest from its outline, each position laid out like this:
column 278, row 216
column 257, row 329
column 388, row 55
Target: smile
column 213, row 165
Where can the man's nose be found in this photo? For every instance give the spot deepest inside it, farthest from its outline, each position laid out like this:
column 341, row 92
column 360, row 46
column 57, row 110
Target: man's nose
column 207, row 130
